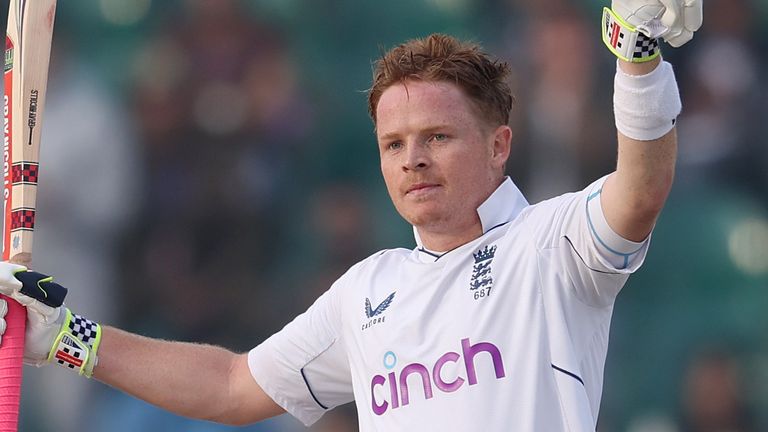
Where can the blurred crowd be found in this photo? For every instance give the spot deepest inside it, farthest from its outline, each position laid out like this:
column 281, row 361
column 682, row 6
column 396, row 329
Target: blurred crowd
column 209, row 170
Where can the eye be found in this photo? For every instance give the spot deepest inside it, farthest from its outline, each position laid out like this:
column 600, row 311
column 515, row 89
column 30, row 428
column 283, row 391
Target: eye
column 395, row 145
column 438, row 137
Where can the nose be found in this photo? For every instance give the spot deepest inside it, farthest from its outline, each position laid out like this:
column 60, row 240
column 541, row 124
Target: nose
column 416, row 158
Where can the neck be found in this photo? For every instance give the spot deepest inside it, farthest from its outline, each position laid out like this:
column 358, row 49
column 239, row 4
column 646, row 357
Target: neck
column 440, row 241
column 437, row 238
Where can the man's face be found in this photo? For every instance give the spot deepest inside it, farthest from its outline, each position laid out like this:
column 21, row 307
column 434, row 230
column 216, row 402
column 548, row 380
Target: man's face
column 439, row 160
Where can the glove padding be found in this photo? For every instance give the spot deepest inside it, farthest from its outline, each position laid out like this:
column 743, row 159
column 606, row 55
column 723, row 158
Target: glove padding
column 3, row 313
column 673, row 20
column 44, row 321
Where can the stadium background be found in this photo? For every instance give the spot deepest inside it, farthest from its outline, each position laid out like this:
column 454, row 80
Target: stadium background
column 208, row 168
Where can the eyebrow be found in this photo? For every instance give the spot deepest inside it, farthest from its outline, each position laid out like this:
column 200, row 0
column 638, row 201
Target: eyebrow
column 389, row 136
column 395, row 135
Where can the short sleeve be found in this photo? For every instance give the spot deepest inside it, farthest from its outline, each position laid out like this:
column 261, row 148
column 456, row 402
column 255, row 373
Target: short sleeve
column 598, row 243
column 574, row 231
column 304, row 367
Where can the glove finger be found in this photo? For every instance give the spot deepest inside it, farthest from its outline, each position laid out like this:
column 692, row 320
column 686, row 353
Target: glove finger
column 40, row 311
column 693, row 15
column 42, row 288
column 8, row 281
column 3, row 312
column 22, row 299
column 32, row 305
column 680, row 39
column 671, row 16
column 41, row 333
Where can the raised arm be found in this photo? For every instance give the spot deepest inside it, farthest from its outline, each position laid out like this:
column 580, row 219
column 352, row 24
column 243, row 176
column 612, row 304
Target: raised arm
column 634, row 194
column 193, row 380
column 646, row 105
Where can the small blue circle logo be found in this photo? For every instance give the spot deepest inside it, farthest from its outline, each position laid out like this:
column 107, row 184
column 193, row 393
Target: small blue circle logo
column 390, row 360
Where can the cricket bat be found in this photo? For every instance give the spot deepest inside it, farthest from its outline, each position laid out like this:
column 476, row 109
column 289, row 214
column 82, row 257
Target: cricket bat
column 27, row 53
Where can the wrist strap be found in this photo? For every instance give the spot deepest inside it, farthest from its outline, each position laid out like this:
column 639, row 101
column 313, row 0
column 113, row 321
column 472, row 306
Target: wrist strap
column 625, row 41
column 76, row 345
column 646, row 106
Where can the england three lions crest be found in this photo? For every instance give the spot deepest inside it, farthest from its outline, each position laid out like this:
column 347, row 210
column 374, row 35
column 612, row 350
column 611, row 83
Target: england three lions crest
column 481, row 281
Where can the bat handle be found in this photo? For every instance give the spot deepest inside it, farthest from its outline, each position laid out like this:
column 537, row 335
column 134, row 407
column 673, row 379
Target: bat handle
column 11, row 355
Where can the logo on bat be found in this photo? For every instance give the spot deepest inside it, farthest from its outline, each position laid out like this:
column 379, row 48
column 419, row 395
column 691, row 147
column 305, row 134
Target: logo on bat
column 32, row 112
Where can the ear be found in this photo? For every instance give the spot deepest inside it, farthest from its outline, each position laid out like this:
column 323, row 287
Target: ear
column 502, row 145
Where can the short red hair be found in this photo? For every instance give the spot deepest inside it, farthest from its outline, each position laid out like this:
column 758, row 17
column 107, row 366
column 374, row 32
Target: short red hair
column 440, row 57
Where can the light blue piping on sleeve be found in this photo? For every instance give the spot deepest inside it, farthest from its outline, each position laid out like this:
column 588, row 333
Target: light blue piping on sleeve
column 599, row 191
column 594, row 232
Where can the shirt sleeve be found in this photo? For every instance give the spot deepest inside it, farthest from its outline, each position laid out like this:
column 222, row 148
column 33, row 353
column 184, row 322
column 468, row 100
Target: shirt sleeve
column 304, row 367
column 602, row 247
column 597, row 259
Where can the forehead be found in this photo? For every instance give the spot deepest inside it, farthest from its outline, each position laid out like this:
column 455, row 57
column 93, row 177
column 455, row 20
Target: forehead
column 420, row 104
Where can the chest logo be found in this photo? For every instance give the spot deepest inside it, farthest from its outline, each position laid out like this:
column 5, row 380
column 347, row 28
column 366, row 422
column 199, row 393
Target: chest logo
column 481, row 281
column 370, row 313
column 374, row 316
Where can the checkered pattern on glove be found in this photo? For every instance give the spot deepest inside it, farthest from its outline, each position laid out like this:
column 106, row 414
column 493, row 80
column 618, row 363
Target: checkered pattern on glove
column 84, row 329
column 76, row 346
column 626, row 41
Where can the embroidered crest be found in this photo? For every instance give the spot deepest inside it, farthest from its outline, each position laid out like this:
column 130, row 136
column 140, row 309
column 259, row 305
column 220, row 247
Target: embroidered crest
column 481, row 270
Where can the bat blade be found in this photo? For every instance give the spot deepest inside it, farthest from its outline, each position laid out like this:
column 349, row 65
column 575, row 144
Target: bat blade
column 27, row 53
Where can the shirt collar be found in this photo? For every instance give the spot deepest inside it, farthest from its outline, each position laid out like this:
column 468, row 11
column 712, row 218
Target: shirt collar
column 504, row 204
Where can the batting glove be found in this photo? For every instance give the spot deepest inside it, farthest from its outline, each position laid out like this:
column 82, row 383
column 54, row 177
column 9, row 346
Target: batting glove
column 682, row 18
column 3, row 313
column 673, row 20
column 54, row 334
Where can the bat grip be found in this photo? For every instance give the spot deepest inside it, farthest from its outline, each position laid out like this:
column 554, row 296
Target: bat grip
column 11, row 355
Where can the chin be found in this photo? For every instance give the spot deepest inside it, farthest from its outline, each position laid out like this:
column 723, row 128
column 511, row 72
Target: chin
column 423, row 217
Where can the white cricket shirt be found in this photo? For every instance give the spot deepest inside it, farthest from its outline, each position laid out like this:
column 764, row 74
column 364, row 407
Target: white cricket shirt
column 508, row 332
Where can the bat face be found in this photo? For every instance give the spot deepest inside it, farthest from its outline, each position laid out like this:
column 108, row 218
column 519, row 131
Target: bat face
column 28, row 44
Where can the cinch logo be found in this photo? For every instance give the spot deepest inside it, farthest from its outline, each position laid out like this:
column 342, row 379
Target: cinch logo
column 399, row 394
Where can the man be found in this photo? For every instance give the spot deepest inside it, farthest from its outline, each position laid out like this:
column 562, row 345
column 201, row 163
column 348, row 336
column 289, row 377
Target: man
column 498, row 320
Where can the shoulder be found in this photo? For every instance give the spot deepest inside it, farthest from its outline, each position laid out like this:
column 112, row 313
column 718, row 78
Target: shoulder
column 550, row 205
column 546, row 221
column 385, row 258
column 564, row 202
column 382, row 258
column 538, row 216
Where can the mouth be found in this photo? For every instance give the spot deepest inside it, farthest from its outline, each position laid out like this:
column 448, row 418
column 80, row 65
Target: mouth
column 421, row 188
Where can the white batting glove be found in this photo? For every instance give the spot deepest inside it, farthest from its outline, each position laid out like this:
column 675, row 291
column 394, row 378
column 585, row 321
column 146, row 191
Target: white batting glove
column 53, row 333
column 682, row 18
column 3, row 313
column 43, row 321
column 673, row 20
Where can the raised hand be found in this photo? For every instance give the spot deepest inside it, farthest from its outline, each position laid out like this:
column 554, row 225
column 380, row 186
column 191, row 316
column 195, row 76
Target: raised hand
column 673, row 20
